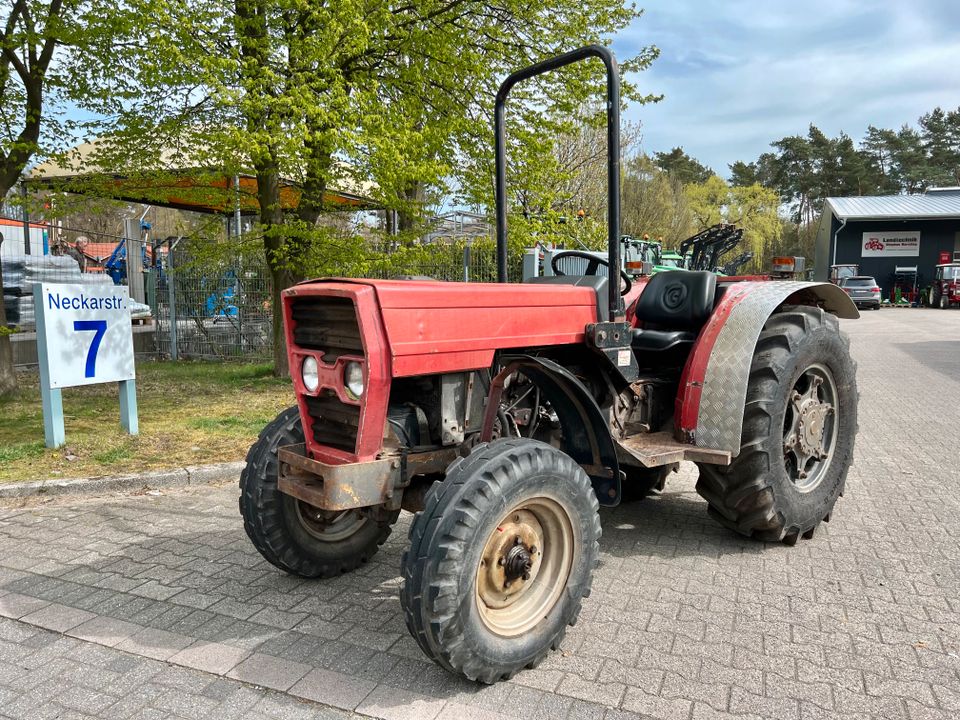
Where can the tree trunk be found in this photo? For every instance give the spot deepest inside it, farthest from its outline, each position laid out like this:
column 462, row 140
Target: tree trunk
column 319, row 164
column 8, row 377
column 271, row 223
column 414, row 196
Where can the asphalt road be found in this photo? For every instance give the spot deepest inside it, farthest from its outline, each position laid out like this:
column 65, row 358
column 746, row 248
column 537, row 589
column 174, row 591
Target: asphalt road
column 157, row 605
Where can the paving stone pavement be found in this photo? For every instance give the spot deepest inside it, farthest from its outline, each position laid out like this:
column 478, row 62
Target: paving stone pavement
column 158, row 606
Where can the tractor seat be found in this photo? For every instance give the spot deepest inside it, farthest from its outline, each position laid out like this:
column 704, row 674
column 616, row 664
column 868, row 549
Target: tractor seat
column 673, row 307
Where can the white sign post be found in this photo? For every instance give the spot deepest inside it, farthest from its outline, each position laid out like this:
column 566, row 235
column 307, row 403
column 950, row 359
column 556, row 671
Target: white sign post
column 84, row 337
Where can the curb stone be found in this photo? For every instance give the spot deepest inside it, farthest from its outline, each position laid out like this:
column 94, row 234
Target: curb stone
column 190, row 475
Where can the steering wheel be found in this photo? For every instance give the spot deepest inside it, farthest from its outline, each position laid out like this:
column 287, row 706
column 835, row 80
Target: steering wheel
column 593, row 262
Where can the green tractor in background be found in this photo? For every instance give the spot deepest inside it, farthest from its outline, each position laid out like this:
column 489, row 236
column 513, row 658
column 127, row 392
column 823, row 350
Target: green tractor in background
column 702, row 251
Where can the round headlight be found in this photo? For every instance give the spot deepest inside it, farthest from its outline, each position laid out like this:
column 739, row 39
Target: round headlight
column 353, row 379
column 309, row 374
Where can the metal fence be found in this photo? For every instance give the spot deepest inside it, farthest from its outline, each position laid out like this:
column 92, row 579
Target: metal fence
column 220, row 310
column 224, row 311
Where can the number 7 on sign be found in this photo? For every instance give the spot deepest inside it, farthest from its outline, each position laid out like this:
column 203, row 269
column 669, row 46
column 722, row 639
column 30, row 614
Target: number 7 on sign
column 99, row 327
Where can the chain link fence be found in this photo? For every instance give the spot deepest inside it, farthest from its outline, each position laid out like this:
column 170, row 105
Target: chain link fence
column 219, row 309
column 223, row 310
column 214, row 311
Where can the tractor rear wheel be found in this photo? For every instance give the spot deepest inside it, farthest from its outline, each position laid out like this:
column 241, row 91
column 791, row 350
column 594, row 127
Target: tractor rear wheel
column 799, row 426
column 293, row 535
column 500, row 559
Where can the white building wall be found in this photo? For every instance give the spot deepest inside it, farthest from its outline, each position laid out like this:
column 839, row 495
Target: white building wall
column 13, row 242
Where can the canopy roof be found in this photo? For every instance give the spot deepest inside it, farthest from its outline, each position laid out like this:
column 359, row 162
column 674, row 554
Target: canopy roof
column 197, row 189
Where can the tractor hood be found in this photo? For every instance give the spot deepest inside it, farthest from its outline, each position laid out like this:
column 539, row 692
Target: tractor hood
column 440, row 327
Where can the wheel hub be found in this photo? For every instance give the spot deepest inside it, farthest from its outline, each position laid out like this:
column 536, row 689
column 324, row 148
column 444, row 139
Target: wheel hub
column 517, row 564
column 327, row 525
column 524, row 566
column 810, row 426
column 511, row 559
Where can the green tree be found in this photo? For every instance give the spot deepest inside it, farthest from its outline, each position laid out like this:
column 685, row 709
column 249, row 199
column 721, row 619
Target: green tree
column 681, row 166
column 743, row 174
column 910, row 160
column 653, row 203
column 879, row 149
column 754, row 208
column 48, row 50
column 391, row 98
column 940, row 133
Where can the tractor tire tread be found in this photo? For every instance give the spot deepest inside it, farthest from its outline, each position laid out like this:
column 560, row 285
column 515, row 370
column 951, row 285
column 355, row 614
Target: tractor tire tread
column 453, row 505
column 740, row 496
column 261, row 508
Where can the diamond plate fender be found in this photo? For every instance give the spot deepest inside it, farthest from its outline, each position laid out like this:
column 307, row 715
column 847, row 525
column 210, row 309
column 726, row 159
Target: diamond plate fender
column 713, row 387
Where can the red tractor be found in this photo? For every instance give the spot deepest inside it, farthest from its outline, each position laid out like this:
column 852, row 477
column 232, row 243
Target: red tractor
column 504, row 415
column 945, row 289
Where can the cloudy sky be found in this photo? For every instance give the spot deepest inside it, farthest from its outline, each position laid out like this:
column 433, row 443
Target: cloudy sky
column 737, row 74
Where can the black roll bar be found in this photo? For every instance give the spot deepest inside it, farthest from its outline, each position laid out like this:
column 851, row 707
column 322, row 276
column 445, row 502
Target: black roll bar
column 613, row 159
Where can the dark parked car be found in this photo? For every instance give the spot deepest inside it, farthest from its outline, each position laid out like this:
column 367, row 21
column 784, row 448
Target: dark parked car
column 863, row 290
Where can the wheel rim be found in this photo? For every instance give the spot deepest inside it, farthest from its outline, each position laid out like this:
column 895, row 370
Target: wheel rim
column 329, row 526
column 810, row 427
column 525, row 566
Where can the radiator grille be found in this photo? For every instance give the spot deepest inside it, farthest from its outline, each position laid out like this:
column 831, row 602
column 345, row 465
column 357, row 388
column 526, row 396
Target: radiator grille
column 329, row 324
column 335, row 424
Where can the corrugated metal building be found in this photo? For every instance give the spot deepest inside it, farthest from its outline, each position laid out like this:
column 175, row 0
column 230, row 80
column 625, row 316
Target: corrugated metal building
column 881, row 233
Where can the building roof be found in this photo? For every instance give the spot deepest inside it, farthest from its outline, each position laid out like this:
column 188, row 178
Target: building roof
column 896, row 207
column 182, row 184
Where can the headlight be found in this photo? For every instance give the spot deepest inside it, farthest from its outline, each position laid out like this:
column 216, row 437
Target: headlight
column 309, row 374
column 353, row 379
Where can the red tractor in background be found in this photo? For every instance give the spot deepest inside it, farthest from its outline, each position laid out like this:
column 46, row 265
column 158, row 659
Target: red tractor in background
column 945, row 288
column 505, row 414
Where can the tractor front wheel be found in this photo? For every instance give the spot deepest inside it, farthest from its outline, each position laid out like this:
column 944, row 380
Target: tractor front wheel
column 500, row 559
column 297, row 537
column 799, row 426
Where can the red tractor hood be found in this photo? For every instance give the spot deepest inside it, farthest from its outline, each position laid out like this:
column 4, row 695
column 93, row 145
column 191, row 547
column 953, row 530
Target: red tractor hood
column 440, row 327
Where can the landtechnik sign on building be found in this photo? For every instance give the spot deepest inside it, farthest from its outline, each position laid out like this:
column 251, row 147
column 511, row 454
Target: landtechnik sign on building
column 903, row 243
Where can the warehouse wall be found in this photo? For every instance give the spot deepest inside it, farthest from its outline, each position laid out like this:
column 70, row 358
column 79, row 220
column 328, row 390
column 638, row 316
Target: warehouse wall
column 935, row 236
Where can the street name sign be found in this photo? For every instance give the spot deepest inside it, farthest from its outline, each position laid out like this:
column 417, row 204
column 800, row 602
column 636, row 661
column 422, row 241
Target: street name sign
column 84, row 337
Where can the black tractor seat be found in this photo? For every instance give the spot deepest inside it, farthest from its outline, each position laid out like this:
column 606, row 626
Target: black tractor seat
column 673, row 307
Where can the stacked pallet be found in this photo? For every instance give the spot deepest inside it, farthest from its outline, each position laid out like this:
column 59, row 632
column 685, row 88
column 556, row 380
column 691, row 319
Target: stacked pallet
column 22, row 272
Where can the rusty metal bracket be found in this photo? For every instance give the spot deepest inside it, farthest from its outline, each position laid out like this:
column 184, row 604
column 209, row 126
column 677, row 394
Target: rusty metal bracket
column 353, row 485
